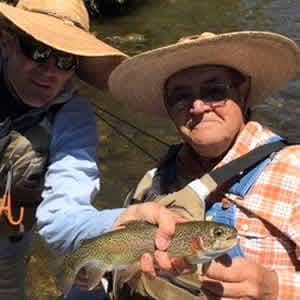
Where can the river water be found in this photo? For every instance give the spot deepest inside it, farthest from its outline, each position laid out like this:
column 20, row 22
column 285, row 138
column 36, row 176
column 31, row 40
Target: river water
column 153, row 24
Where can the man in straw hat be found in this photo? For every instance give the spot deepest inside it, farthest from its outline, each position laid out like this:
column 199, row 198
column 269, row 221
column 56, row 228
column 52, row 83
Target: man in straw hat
column 46, row 126
column 207, row 85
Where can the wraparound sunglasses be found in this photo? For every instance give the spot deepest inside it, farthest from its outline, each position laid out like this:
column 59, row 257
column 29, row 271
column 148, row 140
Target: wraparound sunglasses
column 40, row 53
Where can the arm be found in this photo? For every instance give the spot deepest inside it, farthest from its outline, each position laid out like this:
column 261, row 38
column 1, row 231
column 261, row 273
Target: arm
column 66, row 217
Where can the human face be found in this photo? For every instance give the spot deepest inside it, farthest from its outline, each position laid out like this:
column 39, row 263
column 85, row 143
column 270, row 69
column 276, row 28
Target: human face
column 37, row 84
column 206, row 105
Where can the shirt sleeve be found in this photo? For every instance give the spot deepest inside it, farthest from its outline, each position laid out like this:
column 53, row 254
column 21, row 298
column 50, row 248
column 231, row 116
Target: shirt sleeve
column 289, row 281
column 289, row 285
column 66, row 216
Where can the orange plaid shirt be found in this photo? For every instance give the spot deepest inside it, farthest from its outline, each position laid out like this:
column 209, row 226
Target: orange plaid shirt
column 268, row 217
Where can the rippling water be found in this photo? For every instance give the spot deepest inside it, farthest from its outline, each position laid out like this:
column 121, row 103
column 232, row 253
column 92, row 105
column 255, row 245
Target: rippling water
column 153, row 24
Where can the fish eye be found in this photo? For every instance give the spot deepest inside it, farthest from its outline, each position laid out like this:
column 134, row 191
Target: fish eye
column 218, row 232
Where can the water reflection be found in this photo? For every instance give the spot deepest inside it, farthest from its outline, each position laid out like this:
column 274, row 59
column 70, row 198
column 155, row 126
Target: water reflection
column 153, row 24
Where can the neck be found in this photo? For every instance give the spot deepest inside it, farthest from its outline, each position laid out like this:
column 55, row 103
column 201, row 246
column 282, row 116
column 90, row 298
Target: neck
column 193, row 164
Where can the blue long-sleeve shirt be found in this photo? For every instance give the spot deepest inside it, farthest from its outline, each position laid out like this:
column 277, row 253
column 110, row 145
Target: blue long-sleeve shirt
column 66, row 216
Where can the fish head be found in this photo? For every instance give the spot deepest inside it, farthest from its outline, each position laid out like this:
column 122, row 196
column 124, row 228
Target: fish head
column 214, row 241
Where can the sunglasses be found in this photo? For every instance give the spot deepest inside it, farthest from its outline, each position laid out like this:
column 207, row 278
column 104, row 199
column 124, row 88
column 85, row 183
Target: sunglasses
column 214, row 94
column 40, row 53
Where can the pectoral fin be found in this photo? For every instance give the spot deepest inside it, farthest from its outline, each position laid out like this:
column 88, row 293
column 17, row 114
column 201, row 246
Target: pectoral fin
column 94, row 274
column 123, row 276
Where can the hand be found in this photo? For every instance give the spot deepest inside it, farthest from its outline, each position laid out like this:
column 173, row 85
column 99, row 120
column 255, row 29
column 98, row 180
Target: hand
column 239, row 278
column 81, row 280
column 165, row 219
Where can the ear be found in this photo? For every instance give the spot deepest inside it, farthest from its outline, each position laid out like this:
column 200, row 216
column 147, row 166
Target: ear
column 7, row 43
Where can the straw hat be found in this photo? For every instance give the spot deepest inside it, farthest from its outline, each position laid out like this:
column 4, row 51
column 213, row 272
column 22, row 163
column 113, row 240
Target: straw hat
column 269, row 59
column 64, row 25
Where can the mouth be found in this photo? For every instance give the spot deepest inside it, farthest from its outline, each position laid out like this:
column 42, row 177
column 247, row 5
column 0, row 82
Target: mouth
column 41, row 84
column 190, row 124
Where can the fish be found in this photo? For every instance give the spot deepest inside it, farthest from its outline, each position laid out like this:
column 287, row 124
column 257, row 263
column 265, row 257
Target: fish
column 195, row 241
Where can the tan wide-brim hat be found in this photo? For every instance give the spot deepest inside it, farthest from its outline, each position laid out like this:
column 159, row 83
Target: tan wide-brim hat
column 270, row 60
column 64, row 25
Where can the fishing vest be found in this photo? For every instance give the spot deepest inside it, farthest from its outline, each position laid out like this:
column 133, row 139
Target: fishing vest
column 24, row 148
column 160, row 185
column 24, row 151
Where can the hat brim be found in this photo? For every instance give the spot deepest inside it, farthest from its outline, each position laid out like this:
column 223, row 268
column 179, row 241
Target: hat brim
column 67, row 37
column 269, row 59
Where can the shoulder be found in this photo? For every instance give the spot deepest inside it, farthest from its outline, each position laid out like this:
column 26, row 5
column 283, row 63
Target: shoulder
column 286, row 164
column 78, row 104
column 289, row 155
column 78, row 111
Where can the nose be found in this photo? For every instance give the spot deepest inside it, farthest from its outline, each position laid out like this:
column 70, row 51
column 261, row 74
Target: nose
column 199, row 107
column 50, row 65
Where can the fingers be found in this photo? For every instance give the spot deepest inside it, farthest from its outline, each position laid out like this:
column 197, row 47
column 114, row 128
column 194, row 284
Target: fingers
column 163, row 260
column 236, row 272
column 147, row 265
column 176, row 266
column 182, row 267
column 166, row 221
column 226, row 290
column 156, row 214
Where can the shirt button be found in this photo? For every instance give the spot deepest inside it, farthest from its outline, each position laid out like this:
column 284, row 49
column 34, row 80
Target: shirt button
column 245, row 227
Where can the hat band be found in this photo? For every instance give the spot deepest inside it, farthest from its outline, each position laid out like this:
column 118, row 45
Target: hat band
column 65, row 19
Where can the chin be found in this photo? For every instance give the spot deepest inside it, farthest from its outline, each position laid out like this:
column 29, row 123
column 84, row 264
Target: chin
column 38, row 101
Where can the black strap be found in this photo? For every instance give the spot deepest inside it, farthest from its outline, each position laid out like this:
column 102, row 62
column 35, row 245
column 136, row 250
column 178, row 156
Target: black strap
column 238, row 166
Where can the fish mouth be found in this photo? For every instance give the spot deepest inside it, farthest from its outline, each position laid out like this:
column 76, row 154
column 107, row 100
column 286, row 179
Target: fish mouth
column 213, row 253
column 228, row 244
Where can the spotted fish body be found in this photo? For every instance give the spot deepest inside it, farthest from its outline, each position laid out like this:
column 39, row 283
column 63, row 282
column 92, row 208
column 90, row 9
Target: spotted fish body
column 196, row 241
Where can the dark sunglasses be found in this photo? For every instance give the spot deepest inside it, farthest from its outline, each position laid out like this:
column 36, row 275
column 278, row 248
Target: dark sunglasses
column 214, row 94
column 40, row 53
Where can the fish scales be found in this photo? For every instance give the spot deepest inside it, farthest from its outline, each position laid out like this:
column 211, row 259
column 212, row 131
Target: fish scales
column 197, row 241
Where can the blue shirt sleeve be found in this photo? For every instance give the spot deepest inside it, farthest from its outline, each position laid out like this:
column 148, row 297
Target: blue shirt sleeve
column 66, row 216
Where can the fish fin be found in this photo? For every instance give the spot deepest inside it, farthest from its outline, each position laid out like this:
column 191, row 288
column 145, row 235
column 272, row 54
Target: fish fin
column 125, row 225
column 122, row 276
column 64, row 281
column 94, row 274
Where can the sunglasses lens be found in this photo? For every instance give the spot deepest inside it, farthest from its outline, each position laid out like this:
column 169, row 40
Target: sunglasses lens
column 34, row 50
column 214, row 93
column 66, row 61
column 40, row 53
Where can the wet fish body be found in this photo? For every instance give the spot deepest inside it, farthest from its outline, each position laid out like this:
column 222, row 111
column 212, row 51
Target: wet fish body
column 196, row 241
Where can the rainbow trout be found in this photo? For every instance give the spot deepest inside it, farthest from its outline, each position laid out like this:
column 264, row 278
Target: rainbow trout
column 196, row 241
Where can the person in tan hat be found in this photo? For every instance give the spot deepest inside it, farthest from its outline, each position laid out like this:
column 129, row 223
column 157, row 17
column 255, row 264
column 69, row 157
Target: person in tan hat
column 207, row 85
column 48, row 136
